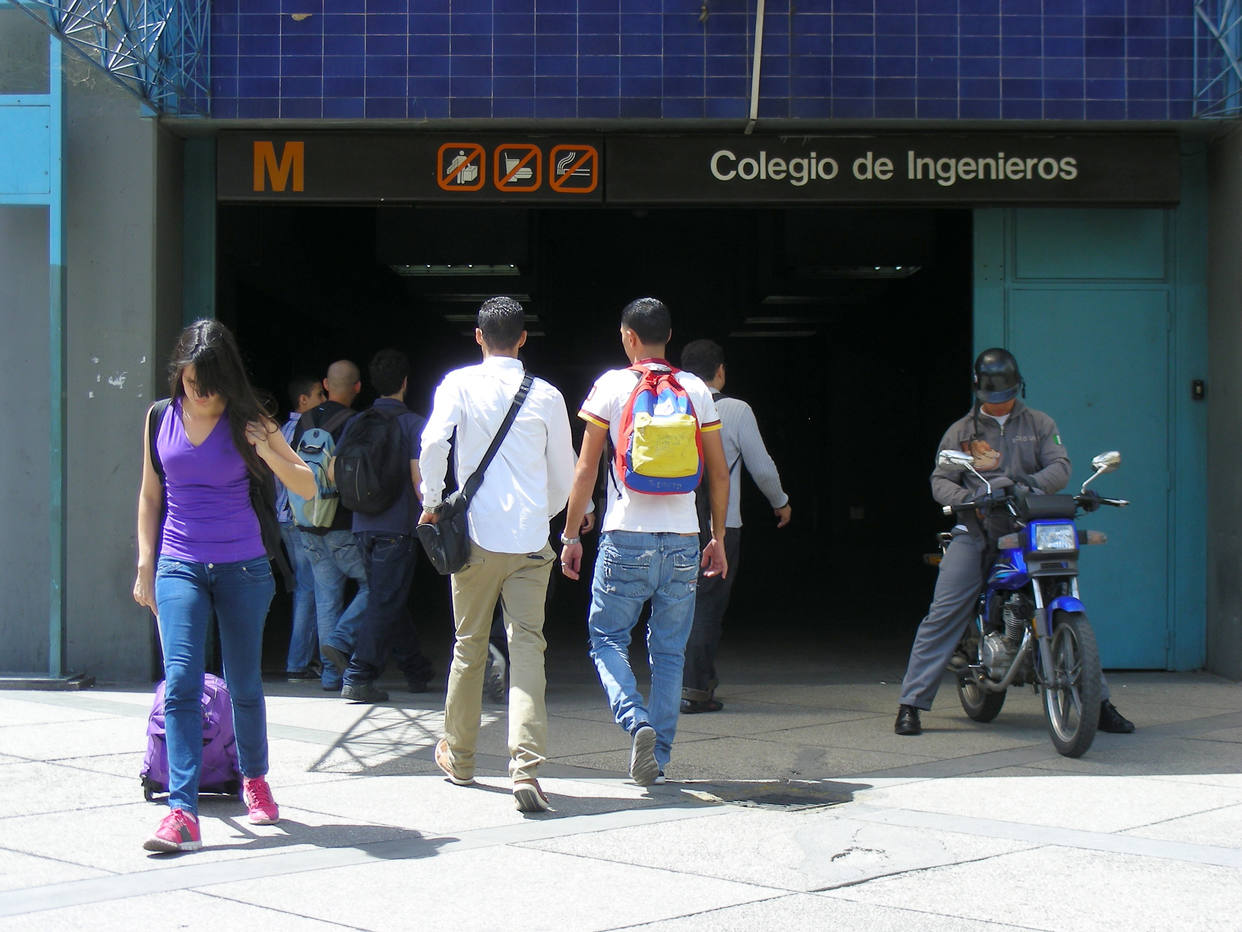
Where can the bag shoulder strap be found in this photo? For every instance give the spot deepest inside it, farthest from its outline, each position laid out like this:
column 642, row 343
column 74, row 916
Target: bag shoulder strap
column 154, row 417
column 476, row 478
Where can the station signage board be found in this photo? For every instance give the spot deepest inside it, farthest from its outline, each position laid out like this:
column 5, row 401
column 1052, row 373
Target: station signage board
column 961, row 169
column 408, row 167
column 908, row 169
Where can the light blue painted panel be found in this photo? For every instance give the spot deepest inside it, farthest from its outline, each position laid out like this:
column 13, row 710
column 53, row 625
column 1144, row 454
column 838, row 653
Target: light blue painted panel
column 1112, row 244
column 1097, row 360
column 25, row 150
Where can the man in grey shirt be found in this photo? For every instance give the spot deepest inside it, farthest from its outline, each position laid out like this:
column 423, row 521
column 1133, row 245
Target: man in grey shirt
column 743, row 446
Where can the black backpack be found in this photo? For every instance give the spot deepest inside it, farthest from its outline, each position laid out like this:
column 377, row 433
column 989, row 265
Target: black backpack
column 372, row 464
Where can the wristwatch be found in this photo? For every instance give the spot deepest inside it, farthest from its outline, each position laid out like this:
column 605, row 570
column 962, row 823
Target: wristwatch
column 570, row 540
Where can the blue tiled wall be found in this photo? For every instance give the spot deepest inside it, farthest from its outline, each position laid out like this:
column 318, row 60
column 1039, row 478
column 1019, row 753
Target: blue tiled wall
column 924, row 59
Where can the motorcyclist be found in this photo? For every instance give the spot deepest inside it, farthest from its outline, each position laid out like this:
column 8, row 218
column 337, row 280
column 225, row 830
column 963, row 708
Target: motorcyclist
column 1012, row 445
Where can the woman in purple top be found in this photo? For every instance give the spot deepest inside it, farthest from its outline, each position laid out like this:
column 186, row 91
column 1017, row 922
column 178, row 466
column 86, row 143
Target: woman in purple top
column 214, row 435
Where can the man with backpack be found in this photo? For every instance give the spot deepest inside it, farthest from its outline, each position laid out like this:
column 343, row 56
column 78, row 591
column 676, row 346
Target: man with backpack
column 333, row 552
column 743, row 446
column 661, row 430
column 305, row 392
column 523, row 487
column 376, row 472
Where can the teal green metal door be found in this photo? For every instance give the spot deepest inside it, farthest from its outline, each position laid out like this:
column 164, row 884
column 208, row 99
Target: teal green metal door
column 1097, row 361
column 1086, row 300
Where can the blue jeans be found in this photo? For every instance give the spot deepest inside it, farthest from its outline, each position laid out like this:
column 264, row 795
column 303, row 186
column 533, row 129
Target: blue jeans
column 334, row 558
column 186, row 594
column 389, row 561
column 302, row 638
column 630, row 568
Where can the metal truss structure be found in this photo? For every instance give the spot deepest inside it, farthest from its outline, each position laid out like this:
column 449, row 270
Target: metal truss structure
column 1218, row 58
column 155, row 48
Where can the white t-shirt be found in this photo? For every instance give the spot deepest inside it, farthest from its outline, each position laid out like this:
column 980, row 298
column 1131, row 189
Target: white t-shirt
column 627, row 510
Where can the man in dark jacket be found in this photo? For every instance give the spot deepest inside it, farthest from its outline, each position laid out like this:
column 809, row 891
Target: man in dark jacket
column 1012, row 445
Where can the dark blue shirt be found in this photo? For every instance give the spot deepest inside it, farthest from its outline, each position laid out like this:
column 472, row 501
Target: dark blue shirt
column 402, row 516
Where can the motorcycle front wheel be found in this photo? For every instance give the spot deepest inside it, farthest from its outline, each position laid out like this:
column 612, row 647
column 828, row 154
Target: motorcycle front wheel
column 1072, row 687
column 980, row 704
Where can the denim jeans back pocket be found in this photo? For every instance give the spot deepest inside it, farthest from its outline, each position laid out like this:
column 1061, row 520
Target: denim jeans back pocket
column 685, row 571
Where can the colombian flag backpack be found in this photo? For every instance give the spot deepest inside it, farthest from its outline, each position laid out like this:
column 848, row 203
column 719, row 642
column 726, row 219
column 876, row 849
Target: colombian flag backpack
column 659, row 445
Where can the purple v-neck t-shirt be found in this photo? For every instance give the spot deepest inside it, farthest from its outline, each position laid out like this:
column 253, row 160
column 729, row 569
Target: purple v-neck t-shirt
column 209, row 518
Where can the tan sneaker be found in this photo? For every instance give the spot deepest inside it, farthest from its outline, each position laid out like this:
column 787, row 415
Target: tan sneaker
column 528, row 797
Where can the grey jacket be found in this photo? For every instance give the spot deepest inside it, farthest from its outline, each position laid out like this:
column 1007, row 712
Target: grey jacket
column 1030, row 448
column 739, row 432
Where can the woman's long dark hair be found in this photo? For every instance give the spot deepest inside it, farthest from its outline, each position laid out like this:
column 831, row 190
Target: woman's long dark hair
column 210, row 348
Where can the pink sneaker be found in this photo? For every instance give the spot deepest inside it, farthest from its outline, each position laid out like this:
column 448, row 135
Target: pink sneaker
column 177, row 832
column 257, row 796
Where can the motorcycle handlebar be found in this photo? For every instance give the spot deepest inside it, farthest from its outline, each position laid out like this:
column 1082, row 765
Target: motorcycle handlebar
column 1081, row 500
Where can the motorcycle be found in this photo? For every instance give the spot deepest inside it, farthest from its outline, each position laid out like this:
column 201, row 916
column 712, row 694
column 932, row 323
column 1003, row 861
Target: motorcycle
column 1031, row 626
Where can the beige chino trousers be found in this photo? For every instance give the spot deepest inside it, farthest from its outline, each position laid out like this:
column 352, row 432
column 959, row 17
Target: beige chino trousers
column 520, row 582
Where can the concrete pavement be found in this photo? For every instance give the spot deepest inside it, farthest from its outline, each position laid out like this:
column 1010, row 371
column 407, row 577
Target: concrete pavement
column 795, row 808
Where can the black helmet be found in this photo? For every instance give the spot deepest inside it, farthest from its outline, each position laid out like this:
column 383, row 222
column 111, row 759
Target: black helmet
column 997, row 378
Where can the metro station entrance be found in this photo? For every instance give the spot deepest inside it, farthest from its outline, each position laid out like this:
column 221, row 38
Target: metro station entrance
column 847, row 330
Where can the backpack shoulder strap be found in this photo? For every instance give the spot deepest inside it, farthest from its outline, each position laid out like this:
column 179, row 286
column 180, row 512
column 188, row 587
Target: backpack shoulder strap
column 336, row 419
column 154, row 418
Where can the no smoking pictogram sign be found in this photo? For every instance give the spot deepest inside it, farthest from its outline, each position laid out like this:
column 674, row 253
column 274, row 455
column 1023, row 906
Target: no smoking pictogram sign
column 517, row 167
column 573, row 169
column 460, row 166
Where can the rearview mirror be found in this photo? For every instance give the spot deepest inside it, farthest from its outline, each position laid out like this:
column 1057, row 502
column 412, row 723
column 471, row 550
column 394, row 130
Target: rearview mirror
column 955, row 459
column 1106, row 462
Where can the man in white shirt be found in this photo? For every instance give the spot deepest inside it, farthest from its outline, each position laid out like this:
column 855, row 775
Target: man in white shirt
column 524, row 487
column 649, row 549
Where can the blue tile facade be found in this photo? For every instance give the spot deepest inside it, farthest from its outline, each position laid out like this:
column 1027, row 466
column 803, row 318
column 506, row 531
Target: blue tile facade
column 609, row 59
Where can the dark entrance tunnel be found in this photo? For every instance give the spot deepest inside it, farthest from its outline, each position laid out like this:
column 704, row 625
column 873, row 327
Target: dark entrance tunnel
column 847, row 330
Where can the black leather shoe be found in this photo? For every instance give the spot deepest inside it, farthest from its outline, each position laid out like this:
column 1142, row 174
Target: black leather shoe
column 908, row 721
column 1113, row 721
column 363, row 692
column 695, row 706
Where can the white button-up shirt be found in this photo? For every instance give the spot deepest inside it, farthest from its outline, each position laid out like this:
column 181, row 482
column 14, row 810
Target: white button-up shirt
column 527, row 483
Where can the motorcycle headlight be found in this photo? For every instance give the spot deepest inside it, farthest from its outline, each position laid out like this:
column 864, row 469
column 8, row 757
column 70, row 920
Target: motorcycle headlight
column 1055, row 537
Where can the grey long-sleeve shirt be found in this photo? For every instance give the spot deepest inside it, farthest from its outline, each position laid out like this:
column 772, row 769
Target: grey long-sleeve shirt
column 1029, row 445
column 743, row 446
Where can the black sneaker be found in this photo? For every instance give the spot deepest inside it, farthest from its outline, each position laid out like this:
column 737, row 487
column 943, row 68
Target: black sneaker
column 907, row 721
column 1113, row 721
column 363, row 692
column 300, row 676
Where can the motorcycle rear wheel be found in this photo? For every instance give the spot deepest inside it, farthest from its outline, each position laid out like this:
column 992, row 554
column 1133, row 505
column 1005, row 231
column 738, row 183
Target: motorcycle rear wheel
column 1072, row 708
column 978, row 703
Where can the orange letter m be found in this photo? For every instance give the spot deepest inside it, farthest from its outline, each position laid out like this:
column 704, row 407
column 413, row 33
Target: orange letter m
column 292, row 159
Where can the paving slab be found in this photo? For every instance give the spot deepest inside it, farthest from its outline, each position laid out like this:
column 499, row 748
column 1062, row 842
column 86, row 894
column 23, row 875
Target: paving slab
column 803, row 851
column 1062, row 888
column 804, row 912
column 1098, row 804
column 1222, row 827
column 185, row 910
column 499, row 887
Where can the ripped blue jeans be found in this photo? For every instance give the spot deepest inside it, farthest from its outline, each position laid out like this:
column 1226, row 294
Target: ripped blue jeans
column 631, row 568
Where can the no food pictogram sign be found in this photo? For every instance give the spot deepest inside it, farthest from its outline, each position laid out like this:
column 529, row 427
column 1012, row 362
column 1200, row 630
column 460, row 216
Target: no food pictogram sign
column 517, row 167
column 460, row 166
column 573, row 169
